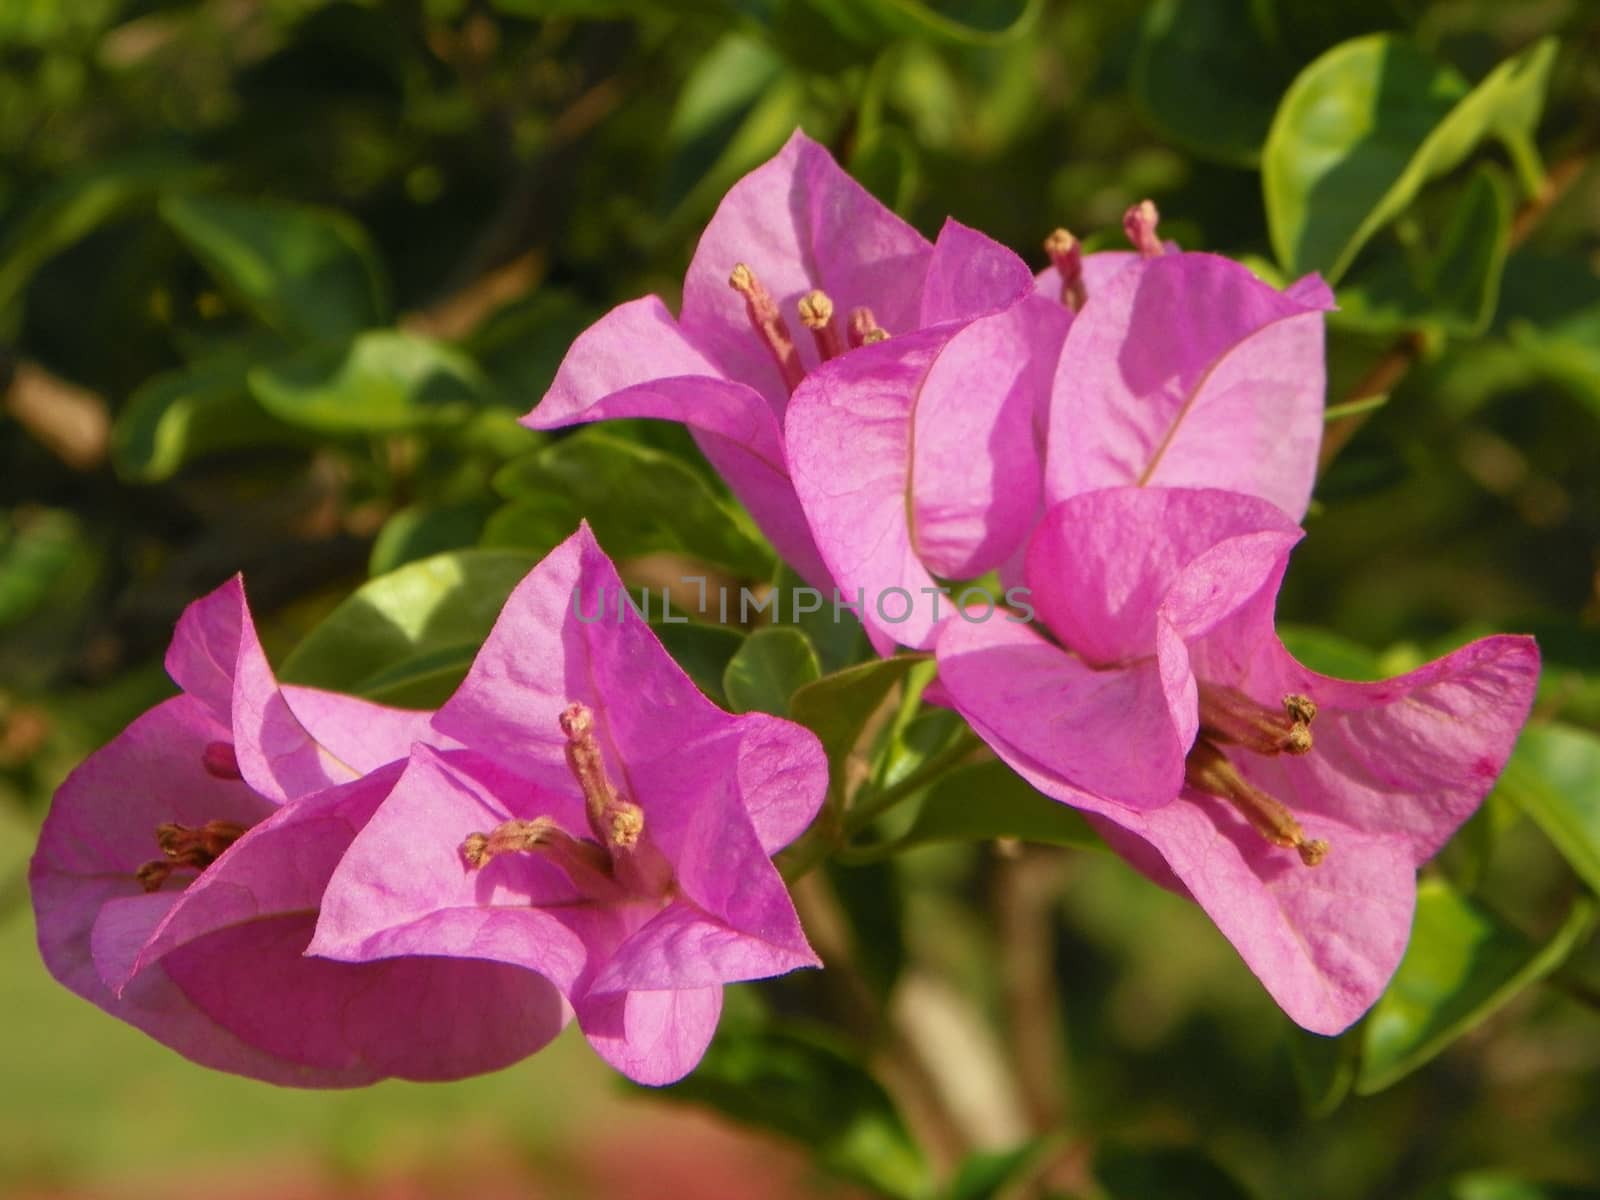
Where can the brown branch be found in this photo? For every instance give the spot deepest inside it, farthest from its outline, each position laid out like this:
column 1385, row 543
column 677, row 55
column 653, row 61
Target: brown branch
column 1027, row 886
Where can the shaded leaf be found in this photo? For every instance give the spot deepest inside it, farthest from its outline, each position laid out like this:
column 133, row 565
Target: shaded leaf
column 1324, row 1068
column 1366, row 125
column 804, row 1085
column 768, row 668
column 1554, row 775
column 421, row 621
column 182, row 415
column 985, row 1174
column 1454, row 288
column 989, row 800
column 639, row 501
column 703, row 651
column 1208, row 78
column 423, row 530
column 837, row 707
column 1461, row 966
column 1146, row 1172
column 309, row 272
column 385, row 381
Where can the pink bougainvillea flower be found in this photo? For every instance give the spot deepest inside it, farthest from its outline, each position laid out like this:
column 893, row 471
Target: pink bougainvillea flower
column 1185, row 370
column 606, row 827
column 1294, row 808
column 178, row 874
column 800, row 265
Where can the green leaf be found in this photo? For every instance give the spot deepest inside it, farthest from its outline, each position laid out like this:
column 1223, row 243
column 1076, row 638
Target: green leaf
column 989, row 800
column 422, row 622
column 837, row 707
column 639, row 501
column 969, row 22
column 1461, row 966
column 179, row 416
column 1554, row 776
column 1453, row 289
column 519, row 347
column 1147, row 1172
column 1330, row 654
column 769, row 668
column 1208, row 78
column 1324, row 1068
column 719, row 95
column 72, row 209
column 39, row 552
column 1500, row 1185
column 804, row 1085
column 309, row 272
column 835, row 631
column 703, row 651
column 385, row 381
column 423, row 530
column 986, row 1174
column 1366, row 125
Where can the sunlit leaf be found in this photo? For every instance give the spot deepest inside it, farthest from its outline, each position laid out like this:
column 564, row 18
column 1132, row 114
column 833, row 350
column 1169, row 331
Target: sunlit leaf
column 1461, row 966
column 425, row 620
column 385, row 381
column 306, row 271
column 1366, row 125
column 423, row 530
column 768, row 668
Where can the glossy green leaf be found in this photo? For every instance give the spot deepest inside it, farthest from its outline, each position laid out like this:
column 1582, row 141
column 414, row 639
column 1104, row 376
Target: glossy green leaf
column 989, row 800
column 306, row 271
column 1208, row 77
column 520, row 346
column 770, row 667
column 179, row 416
column 717, row 98
column 1461, row 966
column 421, row 622
column 385, row 381
column 805, row 1085
column 423, row 530
column 1554, row 775
column 833, row 629
column 1364, row 127
column 703, row 651
column 639, row 501
column 837, row 707
column 973, row 22
column 1452, row 289
column 1146, row 1172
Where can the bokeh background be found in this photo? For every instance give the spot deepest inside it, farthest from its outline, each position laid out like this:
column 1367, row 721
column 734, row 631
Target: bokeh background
column 277, row 277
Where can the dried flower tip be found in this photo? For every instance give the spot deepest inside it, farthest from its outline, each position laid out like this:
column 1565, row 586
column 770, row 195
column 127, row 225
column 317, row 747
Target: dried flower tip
column 863, row 328
column 586, row 864
column 614, row 820
column 153, row 874
column 509, row 837
column 1139, row 223
column 220, row 761
column 768, row 323
column 1208, row 770
column 1066, row 255
column 197, row 846
column 1228, row 715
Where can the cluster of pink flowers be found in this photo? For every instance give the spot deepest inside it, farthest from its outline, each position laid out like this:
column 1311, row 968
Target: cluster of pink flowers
column 317, row 890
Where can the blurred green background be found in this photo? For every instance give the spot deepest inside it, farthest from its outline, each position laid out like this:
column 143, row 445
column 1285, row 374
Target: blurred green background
column 277, row 277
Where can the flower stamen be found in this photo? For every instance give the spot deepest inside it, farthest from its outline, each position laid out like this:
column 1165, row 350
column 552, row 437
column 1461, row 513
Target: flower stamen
column 185, row 846
column 1139, row 223
column 617, row 822
column 863, row 328
column 1066, row 255
column 769, row 325
column 1208, row 770
column 1228, row 715
column 816, row 314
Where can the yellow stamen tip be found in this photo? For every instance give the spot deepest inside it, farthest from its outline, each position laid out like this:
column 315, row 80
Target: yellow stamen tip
column 1312, row 852
column 816, row 309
